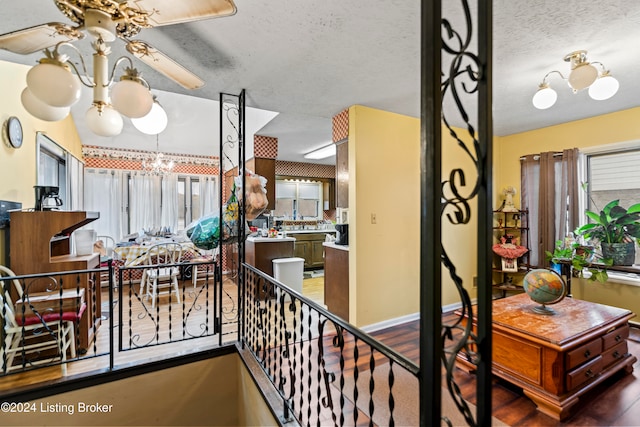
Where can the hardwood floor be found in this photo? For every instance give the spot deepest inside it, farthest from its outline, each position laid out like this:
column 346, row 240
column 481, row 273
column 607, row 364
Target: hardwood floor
column 616, row 402
column 145, row 331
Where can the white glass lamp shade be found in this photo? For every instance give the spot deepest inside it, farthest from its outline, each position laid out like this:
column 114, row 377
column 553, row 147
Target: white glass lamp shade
column 54, row 84
column 154, row 122
column 545, row 97
column 106, row 123
column 131, row 99
column 582, row 76
column 40, row 110
column 604, row 88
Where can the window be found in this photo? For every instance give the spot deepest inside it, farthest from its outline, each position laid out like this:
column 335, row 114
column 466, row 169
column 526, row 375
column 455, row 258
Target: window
column 612, row 173
column 613, row 176
column 129, row 202
column 189, row 202
column 299, row 200
column 58, row 168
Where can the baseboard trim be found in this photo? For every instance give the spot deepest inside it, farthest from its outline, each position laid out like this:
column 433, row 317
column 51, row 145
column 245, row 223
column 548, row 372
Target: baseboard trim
column 408, row 318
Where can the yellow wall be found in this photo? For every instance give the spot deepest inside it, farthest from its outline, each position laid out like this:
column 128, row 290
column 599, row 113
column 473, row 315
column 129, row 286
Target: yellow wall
column 384, row 167
column 606, row 129
column 18, row 166
column 384, row 179
column 201, row 393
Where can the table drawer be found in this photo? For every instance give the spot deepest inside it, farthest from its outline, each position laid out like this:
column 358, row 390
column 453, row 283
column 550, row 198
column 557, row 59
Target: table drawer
column 584, row 373
column 614, row 354
column 615, row 337
column 583, row 353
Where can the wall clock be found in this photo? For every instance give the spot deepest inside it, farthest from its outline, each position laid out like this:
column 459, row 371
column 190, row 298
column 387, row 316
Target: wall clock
column 14, row 132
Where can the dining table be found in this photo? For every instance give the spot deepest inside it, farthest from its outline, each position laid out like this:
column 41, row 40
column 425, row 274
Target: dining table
column 132, row 254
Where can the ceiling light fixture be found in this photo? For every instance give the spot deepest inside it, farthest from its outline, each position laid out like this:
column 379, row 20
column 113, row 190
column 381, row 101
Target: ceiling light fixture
column 154, row 122
column 55, row 87
column 583, row 75
column 157, row 165
column 322, row 153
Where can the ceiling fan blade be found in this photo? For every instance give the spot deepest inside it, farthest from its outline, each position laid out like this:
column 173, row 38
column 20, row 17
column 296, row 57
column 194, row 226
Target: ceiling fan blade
column 165, row 65
column 168, row 12
column 37, row 38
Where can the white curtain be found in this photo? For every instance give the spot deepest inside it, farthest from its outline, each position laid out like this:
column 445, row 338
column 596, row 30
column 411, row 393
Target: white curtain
column 208, row 195
column 75, row 169
column 169, row 215
column 103, row 193
column 144, row 200
column 153, row 201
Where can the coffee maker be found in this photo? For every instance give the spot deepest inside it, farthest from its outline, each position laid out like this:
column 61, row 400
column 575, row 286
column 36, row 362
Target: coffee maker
column 342, row 234
column 47, row 197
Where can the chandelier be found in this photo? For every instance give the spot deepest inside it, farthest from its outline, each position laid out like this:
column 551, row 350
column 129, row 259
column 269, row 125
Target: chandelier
column 157, row 164
column 583, row 75
column 52, row 88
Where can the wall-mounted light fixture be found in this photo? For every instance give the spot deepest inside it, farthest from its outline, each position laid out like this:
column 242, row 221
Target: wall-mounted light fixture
column 322, row 153
column 583, row 75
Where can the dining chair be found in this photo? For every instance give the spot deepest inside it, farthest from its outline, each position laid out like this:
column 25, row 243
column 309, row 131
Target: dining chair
column 163, row 271
column 32, row 330
column 108, row 243
column 207, row 255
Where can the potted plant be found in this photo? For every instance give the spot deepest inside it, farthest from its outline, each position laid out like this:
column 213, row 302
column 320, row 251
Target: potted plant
column 582, row 259
column 615, row 228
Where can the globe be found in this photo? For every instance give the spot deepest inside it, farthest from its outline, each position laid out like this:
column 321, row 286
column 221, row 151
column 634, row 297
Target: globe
column 545, row 287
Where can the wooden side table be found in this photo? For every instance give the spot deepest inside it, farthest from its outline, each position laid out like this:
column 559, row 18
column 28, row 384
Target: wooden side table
column 556, row 359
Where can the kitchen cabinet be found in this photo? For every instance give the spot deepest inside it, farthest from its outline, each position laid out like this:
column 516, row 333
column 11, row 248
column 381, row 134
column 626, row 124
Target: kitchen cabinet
column 261, row 251
column 328, row 194
column 317, row 253
column 309, row 246
column 342, row 174
column 336, row 279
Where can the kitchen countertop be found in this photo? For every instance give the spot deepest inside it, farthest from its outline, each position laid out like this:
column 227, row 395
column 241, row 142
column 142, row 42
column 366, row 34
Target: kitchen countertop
column 307, row 231
column 270, row 239
column 334, row 246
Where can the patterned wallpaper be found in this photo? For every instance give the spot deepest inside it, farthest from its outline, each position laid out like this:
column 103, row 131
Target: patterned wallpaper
column 341, row 125
column 265, row 147
column 311, row 170
column 108, row 158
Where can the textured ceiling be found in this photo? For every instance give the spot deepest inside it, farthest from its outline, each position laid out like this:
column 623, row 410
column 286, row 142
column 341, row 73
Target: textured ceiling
column 310, row 60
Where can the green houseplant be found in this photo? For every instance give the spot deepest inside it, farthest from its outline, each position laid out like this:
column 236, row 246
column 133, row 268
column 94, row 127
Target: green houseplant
column 582, row 259
column 615, row 228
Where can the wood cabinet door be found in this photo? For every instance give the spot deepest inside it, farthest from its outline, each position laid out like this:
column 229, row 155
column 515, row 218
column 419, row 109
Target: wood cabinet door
column 317, row 253
column 302, row 249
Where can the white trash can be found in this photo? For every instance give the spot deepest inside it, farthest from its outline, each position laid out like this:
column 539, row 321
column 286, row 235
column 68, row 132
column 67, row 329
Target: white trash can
column 289, row 271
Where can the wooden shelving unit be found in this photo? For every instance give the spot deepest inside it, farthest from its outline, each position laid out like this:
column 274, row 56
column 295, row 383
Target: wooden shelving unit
column 515, row 224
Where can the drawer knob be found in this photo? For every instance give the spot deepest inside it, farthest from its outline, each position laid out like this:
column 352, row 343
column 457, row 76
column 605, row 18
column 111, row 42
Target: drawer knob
column 589, row 373
column 618, row 338
column 616, row 354
column 587, row 353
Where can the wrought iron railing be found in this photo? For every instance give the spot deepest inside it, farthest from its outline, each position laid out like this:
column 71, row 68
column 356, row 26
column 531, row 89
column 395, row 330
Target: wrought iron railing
column 59, row 318
column 204, row 309
column 48, row 319
column 326, row 370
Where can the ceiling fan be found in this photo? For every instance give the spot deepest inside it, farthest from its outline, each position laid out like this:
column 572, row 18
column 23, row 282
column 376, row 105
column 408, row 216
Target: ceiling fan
column 51, row 86
column 107, row 19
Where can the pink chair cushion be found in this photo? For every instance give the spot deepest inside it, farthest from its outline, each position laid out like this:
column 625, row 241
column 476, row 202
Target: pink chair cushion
column 52, row 317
